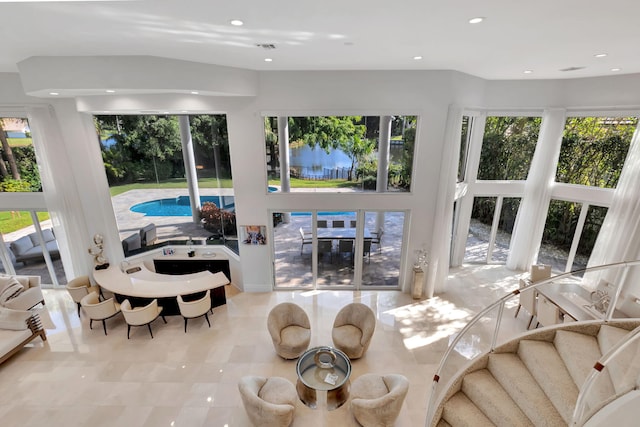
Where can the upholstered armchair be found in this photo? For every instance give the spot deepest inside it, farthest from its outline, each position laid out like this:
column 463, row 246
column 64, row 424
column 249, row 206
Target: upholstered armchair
column 193, row 309
column 79, row 287
column 353, row 328
column 376, row 400
column 99, row 310
column 290, row 330
column 140, row 316
column 29, row 297
column 269, row 402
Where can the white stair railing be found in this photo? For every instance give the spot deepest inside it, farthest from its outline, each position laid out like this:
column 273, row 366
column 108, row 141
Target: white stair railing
column 438, row 393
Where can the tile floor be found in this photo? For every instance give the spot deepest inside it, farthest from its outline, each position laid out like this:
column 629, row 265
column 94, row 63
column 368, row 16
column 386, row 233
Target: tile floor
column 80, row 377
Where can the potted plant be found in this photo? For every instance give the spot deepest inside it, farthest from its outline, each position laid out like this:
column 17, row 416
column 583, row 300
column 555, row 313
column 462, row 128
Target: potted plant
column 216, row 220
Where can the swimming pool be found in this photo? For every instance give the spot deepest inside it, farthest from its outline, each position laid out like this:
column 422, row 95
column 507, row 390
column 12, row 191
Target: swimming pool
column 179, row 206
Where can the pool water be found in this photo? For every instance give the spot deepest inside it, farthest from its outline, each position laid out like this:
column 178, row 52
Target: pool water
column 179, row 206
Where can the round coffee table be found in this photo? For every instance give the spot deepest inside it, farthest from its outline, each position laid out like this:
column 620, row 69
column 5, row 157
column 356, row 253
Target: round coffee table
column 323, row 378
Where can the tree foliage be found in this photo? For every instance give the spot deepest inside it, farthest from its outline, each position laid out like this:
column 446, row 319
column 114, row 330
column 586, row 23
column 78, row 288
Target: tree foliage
column 593, row 152
column 149, row 148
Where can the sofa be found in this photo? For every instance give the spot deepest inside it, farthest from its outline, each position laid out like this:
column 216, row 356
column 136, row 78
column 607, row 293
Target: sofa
column 28, row 248
column 147, row 235
column 18, row 328
column 27, row 294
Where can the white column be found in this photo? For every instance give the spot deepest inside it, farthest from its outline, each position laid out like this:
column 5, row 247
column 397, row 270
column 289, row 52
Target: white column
column 438, row 270
column 383, row 154
column 283, row 152
column 382, row 180
column 532, row 213
column 465, row 203
column 190, row 167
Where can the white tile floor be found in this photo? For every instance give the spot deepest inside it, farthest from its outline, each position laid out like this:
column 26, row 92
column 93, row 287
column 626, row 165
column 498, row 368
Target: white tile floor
column 80, row 377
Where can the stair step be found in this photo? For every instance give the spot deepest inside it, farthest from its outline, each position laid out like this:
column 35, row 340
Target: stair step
column 459, row 411
column 579, row 353
column 515, row 378
column 489, row 396
column 546, row 366
column 624, row 370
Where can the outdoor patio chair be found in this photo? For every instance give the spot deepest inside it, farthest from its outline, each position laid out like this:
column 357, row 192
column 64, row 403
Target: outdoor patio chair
column 325, row 246
column 366, row 250
column 377, row 238
column 305, row 238
column 345, row 246
column 337, row 223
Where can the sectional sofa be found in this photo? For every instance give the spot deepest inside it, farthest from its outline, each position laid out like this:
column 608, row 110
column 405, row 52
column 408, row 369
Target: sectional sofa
column 28, row 248
column 18, row 328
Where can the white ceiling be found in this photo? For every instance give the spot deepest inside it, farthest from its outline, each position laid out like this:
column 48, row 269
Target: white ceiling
column 543, row 36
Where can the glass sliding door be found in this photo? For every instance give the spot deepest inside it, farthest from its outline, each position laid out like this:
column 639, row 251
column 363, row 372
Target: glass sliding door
column 382, row 248
column 30, row 248
column 293, row 250
column 336, row 236
column 337, row 249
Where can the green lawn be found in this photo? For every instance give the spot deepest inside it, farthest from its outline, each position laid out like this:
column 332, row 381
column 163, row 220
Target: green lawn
column 172, row 183
column 19, row 142
column 330, row 183
column 12, row 221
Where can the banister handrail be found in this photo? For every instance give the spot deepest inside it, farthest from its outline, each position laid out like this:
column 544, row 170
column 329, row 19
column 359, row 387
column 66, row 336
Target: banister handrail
column 501, row 302
column 597, row 369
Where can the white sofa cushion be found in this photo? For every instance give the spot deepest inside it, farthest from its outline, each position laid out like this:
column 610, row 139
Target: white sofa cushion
column 11, row 339
column 14, row 320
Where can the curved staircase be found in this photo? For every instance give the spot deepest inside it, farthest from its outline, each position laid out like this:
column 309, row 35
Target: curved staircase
column 535, row 380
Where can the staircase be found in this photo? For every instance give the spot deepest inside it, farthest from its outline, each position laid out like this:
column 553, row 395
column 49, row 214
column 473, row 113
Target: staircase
column 535, row 379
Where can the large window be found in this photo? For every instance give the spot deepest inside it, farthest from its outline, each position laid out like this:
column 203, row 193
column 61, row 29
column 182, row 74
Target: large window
column 144, row 157
column 507, row 147
column 18, row 166
column 338, row 249
column 334, row 153
column 594, row 150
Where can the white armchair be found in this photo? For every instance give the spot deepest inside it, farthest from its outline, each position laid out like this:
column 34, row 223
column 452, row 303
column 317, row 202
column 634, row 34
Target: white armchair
column 79, row 287
column 99, row 310
column 377, row 399
column 193, row 309
column 30, row 296
column 269, row 402
column 353, row 329
column 140, row 316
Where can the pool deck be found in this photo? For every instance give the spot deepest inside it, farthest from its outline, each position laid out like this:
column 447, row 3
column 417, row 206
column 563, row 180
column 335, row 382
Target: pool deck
column 168, row 227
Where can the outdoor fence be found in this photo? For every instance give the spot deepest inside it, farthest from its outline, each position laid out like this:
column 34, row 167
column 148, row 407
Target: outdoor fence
column 312, row 174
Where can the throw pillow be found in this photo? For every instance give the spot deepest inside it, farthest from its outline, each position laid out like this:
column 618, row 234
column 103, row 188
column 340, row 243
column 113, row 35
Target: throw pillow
column 11, row 289
column 13, row 319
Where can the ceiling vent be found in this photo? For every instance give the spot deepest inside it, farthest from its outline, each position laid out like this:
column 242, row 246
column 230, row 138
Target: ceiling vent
column 266, row 46
column 572, row 68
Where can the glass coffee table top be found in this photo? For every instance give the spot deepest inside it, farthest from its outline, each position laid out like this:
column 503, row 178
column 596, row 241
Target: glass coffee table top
column 326, row 370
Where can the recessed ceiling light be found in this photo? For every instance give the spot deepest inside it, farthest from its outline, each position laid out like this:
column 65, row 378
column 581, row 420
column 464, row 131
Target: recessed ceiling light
column 600, row 55
column 184, row 111
column 417, row 58
column 476, row 20
column 236, row 22
column 110, row 91
column 194, row 92
column 54, row 93
column 615, row 69
column 528, row 71
column 268, row 60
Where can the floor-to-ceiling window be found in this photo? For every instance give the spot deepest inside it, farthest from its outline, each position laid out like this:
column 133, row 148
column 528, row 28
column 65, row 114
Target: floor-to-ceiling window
column 155, row 163
column 338, row 249
column 28, row 243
